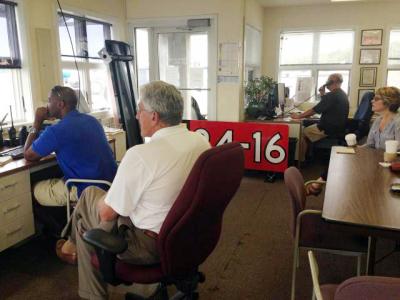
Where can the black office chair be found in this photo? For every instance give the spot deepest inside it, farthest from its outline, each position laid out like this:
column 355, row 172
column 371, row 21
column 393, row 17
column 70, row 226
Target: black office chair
column 359, row 124
column 196, row 114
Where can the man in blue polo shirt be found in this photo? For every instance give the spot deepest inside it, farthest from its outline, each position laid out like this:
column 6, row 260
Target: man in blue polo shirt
column 77, row 139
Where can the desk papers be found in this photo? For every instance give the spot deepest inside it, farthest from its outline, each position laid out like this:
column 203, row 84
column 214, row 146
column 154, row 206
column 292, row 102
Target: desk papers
column 345, row 150
column 5, row 160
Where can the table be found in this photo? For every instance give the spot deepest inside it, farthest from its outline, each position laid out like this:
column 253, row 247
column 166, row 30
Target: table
column 358, row 193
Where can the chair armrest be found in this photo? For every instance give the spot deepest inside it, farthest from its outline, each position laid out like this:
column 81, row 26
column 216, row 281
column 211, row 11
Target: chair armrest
column 107, row 246
column 314, row 181
column 104, row 240
column 76, row 180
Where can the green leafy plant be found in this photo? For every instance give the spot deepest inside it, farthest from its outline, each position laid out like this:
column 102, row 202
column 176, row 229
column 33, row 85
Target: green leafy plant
column 257, row 90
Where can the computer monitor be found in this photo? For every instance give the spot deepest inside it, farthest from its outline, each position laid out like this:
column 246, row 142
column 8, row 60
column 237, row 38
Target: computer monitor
column 276, row 99
column 273, row 102
column 281, row 93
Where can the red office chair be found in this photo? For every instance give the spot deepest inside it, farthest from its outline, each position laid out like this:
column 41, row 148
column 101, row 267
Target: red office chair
column 360, row 287
column 189, row 233
column 310, row 231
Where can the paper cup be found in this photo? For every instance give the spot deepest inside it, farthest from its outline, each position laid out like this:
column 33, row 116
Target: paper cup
column 391, row 146
column 389, row 157
column 351, row 139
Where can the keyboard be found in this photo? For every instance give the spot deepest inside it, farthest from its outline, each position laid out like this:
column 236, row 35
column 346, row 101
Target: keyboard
column 15, row 153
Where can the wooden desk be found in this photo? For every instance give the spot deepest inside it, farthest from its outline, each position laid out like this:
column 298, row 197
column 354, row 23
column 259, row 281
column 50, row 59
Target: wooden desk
column 358, row 190
column 16, row 220
column 16, row 215
column 358, row 193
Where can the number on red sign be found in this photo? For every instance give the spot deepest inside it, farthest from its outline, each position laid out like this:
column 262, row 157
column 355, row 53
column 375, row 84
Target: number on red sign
column 271, row 147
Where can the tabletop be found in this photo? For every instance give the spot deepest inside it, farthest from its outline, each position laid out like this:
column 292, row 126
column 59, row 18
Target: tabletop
column 358, row 190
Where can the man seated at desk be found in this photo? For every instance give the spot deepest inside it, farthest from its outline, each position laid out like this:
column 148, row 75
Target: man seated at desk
column 148, row 181
column 334, row 110
column 79, row 142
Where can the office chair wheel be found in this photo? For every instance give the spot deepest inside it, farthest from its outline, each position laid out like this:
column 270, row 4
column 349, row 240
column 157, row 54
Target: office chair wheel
column 270, row 177
column 160, row 293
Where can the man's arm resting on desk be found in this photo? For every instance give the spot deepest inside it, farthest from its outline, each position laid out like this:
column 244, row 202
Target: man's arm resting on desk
column 306, row 114
column 40, row 115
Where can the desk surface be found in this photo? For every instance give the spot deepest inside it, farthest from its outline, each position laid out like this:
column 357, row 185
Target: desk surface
column 358, row 190
column 22, row 164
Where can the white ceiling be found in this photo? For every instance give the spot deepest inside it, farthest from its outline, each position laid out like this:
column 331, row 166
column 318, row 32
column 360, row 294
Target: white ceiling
column 271, row 3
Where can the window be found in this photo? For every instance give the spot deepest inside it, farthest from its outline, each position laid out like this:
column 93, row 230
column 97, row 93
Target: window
column 252, row 50
column 316, row 55
column 393, row 73
column 142, row 54
column 87, row 39
column 10, row 65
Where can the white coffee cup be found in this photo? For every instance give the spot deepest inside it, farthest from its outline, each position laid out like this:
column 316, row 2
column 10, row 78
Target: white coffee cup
column 351, row 139
column 391, row 146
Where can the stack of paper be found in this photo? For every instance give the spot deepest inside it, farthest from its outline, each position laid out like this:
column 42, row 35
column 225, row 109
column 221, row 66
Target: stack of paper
column 5, row 160
column 345, row 150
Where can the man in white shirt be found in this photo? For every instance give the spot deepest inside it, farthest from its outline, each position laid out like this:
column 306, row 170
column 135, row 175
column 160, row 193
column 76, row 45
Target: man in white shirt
column 147, row 183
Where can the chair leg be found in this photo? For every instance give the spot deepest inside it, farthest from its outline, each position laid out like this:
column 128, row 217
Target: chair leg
column 295, row 266
column 358, row 265
column 313, row 295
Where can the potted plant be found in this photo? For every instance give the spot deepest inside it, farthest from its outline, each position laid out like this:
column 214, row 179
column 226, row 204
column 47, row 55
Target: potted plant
column 257, row 92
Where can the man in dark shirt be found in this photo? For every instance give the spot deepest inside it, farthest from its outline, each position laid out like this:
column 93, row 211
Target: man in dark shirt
column 334, row 110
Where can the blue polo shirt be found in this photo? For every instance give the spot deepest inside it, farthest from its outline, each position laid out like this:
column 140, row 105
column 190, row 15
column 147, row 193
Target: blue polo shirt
column 81, row 147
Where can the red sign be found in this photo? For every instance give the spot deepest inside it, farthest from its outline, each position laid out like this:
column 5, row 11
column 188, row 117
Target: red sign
column 266, row 144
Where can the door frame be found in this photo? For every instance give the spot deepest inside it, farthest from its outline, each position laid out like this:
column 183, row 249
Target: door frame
column 159, row 25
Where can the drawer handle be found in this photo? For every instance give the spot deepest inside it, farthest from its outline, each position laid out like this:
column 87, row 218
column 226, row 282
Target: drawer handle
column 8, row 186
column 14, row 231
column 10, row 209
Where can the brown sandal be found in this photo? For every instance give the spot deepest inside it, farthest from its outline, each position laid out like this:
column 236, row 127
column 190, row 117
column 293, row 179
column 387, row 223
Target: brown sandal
column 71, row 259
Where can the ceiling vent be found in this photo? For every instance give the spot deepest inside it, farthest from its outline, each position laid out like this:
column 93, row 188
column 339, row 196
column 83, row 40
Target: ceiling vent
column 193, row 23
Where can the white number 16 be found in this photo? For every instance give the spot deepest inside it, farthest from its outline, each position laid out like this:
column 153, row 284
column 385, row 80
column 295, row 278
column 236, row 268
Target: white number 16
column 271, row 147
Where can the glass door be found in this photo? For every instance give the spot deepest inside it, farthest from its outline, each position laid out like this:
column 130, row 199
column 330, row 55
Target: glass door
column 183, row 62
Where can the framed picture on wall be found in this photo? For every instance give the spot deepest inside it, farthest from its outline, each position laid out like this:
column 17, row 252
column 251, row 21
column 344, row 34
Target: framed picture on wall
column 368, row 76
column 361, row 93
column 370, row 56
column 371, row 37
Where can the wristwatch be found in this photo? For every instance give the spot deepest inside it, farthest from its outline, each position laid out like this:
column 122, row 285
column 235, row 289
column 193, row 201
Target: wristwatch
column 33, row 130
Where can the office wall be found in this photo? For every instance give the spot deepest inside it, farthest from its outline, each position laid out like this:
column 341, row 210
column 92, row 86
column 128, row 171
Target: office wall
column 254, row 14
column 39, row 30
column 230, row 15
column 355, row 16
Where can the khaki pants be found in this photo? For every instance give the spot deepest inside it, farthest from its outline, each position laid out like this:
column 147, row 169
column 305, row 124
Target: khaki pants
column 52, row 192
column 310, row 134
column 313, row 133
column 141, row 248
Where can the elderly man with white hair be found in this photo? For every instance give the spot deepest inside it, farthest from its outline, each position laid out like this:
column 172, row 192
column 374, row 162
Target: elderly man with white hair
column 147, row 183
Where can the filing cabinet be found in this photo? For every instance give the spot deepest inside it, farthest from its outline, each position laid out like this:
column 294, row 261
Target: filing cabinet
column 16, row 216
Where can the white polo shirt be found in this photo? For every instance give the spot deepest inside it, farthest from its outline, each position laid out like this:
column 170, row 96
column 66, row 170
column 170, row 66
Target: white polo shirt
column 151, row 175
